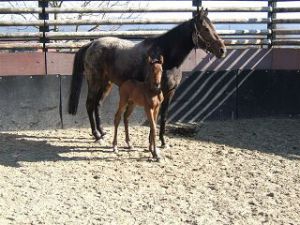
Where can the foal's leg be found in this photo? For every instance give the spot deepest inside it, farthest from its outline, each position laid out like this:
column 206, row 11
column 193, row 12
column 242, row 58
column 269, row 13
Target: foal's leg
column 127, row 113
column 163, row 116
column 118, row 115
column 102, row 94
column 156, row 112
column 152, row 145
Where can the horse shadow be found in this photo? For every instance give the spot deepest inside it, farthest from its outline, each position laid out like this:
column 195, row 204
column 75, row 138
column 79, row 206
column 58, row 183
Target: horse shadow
column 17, row 149
column 274, row 136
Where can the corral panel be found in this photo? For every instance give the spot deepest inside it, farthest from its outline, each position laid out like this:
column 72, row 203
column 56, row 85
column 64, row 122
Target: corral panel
column 29, row 102
column 203, row 95
column 268, row 93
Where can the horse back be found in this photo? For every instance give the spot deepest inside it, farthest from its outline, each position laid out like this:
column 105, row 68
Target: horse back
column 115, row 59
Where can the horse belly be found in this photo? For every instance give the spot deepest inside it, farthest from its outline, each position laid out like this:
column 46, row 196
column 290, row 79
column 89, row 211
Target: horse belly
column 137, row 98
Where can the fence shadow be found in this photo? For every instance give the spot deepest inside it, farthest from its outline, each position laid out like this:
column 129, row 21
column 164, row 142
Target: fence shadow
column 20, row 148
column 269, row 135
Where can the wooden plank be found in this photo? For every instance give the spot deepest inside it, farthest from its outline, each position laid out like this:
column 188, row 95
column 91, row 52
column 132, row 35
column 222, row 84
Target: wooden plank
column 22, row 63
column 286, row 59
column 60, row 63
column 33, row 63
column 236, row 59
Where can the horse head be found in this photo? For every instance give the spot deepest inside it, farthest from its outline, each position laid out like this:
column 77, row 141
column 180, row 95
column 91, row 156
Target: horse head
column 154, row 73
column 205, row 36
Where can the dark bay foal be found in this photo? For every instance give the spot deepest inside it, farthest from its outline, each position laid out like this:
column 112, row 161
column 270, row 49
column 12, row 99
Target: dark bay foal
column 147, row 94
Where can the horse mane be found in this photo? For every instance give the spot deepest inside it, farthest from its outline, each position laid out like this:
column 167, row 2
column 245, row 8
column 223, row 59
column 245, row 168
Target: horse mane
column 175, row 44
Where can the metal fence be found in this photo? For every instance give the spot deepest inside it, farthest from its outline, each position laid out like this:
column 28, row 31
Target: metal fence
column 44, row 25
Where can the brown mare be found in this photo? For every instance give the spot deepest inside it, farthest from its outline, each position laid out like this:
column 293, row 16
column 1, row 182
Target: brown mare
column 146, row 94
column 112, row 60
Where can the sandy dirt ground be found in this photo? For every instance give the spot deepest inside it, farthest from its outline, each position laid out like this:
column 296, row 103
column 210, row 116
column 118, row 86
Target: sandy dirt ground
column 235, row 172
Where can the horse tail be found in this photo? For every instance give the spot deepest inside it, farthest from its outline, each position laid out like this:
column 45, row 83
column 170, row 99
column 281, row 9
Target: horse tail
column 77, row 78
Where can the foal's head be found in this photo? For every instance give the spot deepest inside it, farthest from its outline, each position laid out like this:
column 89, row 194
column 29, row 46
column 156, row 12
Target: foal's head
column 205, row 35
column 154, row 73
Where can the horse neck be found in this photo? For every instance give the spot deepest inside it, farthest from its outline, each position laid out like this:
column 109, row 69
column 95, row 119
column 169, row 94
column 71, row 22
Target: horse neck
column 176, row 44
column 149, row 93
column 146, row 87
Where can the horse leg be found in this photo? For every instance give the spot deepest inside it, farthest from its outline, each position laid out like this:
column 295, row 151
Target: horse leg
column 118, row 115
column 127, row 113
column 90, row 107
column 102, row 94
column 156, row 112
column 163, row 116
column 152, row 145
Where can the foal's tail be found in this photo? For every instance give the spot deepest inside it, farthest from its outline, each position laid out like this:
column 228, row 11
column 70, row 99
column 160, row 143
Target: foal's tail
column 77, row 78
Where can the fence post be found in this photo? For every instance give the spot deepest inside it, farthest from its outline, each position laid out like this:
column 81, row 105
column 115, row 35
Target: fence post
column 44, row 16
column 197, row 3
column 271, row 15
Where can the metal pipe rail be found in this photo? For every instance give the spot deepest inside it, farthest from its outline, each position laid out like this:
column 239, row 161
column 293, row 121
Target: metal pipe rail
column 159, row 0
column 132, row 9
column 130, row 21
column 123, row 34
column 68, row 45
column 286, row 31
column 31, row 10
column 286, row 9
column 290, row 21
column 243, row 37
column 285, row 42
column 155, row 9
column 27, row 10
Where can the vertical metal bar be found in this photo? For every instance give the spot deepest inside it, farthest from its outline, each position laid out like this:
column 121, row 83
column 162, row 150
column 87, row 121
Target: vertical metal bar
column 237, row 73
column 60, row 102
column 44, row 16
column 271, row 15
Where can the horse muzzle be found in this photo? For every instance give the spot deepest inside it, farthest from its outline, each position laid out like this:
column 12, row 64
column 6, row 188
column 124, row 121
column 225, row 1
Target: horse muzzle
column 156, row 88
column 222, row 53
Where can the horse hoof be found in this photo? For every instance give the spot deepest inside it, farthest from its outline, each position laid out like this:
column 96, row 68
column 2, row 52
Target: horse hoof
column 103, row 137
column 129, row 146
column 156, row 155
column 97, row 135
column 101, row 141
column 103, row 134
column 165, row 146
column 154, row 159
column 115, row 148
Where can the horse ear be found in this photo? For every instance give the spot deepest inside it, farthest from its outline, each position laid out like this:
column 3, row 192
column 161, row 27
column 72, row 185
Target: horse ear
column 161, row 59
column 205, row 12
column 200, row 14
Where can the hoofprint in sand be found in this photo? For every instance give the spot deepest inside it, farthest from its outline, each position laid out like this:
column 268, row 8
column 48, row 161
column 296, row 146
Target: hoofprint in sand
column 234, row 172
